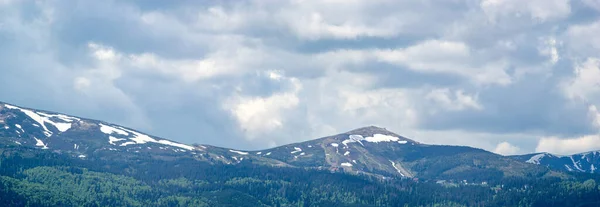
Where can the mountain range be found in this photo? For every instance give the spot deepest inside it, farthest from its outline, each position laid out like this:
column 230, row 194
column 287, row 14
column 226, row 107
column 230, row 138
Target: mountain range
column 371, row 152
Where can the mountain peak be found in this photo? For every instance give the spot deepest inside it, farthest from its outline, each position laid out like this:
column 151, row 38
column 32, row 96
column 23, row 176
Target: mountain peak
column 370, row 130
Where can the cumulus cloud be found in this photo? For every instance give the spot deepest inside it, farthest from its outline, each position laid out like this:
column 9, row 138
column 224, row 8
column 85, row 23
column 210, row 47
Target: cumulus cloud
column 568, row 146
column 457, row 101
column 585, row 83
column 505, row 148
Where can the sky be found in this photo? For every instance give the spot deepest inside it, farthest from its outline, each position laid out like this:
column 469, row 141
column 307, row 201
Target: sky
column 508, row 76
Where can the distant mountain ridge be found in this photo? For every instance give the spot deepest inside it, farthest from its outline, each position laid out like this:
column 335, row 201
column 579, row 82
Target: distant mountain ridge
column 587, row 162
column 371, row 151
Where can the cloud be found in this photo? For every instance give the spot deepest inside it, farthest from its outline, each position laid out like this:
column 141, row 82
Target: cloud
column 260, row 115
column 568, row 146
column 541, row 10
column 461, row 100
column 249, row 74
column 585, row 83
column 505, row 148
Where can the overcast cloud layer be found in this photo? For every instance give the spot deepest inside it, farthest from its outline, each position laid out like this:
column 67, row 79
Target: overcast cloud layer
column 509, row 76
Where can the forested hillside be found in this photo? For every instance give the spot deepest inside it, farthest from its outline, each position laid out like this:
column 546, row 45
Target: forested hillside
column 33, row 177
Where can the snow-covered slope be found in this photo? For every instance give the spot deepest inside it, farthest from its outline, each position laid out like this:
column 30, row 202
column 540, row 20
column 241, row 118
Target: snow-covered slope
column 583, row 162
column 53, row 131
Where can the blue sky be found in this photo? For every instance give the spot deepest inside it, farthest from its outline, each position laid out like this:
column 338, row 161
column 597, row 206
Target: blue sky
column 509, row 76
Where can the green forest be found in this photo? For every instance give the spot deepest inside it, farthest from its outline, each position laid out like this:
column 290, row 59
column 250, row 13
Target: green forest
column 50, row 179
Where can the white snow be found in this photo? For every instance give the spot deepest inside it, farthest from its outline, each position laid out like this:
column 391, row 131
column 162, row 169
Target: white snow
column 75, row 146
column 576, row 164
column 296, row 150
column 81, row 156
column 19, row 143
column 268, row 153
column 354, row 161
column 536, row 159
column 7, row 127
column 593, row 168
column 402, row 142
column 568, row 168
column 335, row 144
column 167, row 142
column 347, row 153
column 346, row 164
column 60, row 116
column 397, row 169
column 39, row 143
column 258, row 153
column 238, row 152
column 110, row 130
column 376, row 138
column 353, row 138
column 62, row 127
column 36, row 117
column 126, row 143
column 112, row 140
column 138, row 138
column 309, row 146
column 302, row 154
column 18, row 126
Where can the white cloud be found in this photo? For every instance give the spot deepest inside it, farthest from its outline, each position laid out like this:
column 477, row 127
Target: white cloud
column 456, row 101
column 541, row 10
column 595, row 116
column 432, row 57
column 568, row 146
column 585, row 84
column 549, row 48
column 260, row 115
column 583, row 39
column 505, row 148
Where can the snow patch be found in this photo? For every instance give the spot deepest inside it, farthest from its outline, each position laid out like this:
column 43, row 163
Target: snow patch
column 302, row 154
column 183, row 146
column 346, row 164
column 268, row 153
column 353, row 138
column 238, row 152
column 19, row 143
column 335, row 144
column 576, row 164
column 536, row 159
column 346, row 153
column 36, row 117
column 402, row 142
column 397, row 169
column 568, row 168
column 39, row 143
column 111, row 130
column 81, row 156
column 376, row 138
column 296, row 150
column 112, row 140
column 127, row 143
column 309, row 146
column 593, row 168
column 258, row 153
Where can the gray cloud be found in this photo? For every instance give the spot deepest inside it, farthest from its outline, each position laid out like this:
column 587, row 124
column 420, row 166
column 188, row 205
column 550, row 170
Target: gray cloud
column 253, row 74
